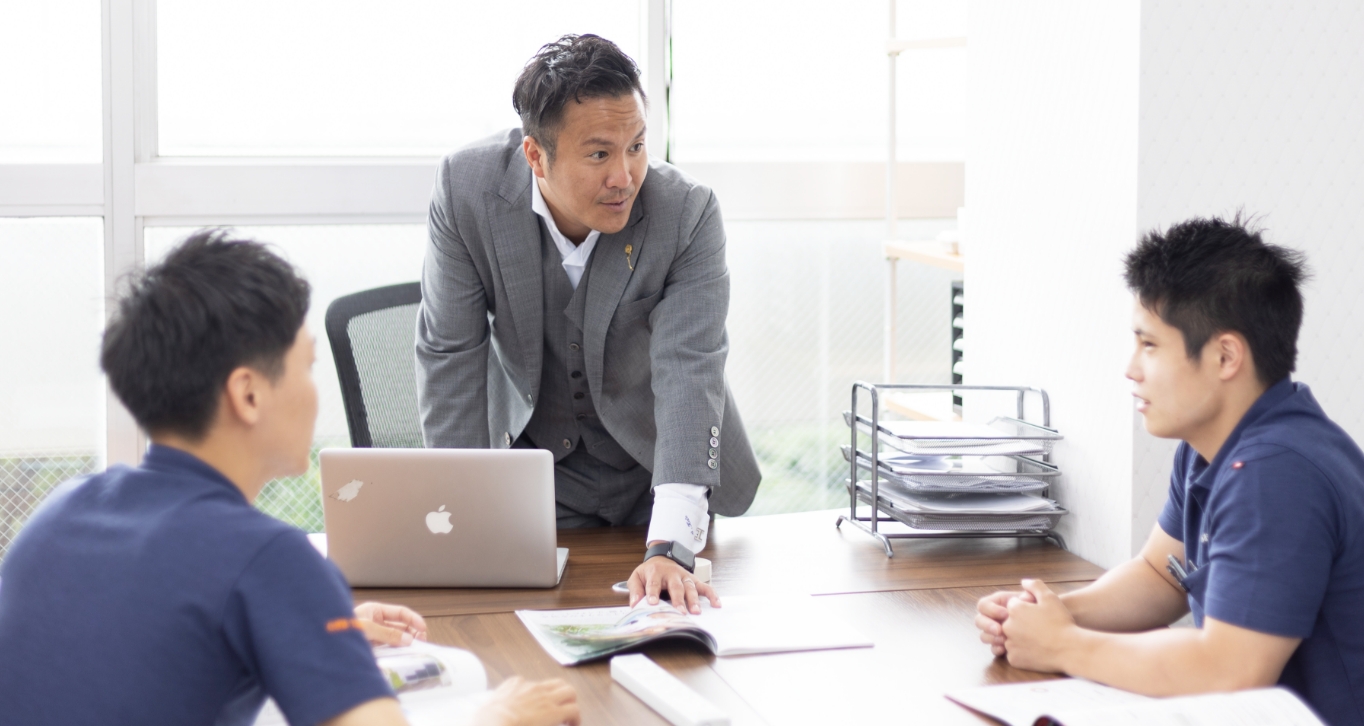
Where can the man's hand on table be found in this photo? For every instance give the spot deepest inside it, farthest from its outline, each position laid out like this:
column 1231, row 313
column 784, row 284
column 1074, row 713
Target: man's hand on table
column 385, row 624
column 659, row 573
column 519, row 702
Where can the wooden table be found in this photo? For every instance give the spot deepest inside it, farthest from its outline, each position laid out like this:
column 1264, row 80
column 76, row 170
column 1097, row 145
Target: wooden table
column 917, row 608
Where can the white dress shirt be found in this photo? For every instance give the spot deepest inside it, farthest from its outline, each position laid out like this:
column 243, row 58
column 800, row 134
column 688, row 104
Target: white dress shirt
column 681, row 511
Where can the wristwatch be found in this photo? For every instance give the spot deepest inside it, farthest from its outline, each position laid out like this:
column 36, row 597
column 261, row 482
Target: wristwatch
column 675, row 551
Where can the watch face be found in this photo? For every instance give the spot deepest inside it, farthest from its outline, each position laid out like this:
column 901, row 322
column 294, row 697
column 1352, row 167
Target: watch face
column 683, row 556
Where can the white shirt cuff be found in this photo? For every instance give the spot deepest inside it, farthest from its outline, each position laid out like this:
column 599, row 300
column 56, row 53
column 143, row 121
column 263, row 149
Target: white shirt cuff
column 681, row 514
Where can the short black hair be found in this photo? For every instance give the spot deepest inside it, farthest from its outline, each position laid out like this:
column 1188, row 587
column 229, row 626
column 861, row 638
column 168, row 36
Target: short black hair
column 573, row 67
column 215, row 303
column 1208, row 275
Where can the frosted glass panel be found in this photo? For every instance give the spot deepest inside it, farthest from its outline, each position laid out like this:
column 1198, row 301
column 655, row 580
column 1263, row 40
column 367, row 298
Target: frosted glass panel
column 316, row 77
column 50, row 106
column 51, row 388
column 51, row 317
column 806, row 80
column 805, row 321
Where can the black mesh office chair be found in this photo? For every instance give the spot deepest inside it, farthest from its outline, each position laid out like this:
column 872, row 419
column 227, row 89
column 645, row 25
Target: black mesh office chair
column 372, row 335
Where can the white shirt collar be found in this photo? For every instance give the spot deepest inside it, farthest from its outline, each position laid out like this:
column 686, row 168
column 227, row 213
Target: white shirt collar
column 575, row 256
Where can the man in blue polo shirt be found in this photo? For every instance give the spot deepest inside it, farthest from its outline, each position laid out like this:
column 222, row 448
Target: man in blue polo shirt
column 1262, row 535
column 158, row 594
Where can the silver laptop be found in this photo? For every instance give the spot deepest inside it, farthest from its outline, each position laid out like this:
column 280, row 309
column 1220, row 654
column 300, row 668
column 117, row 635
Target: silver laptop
column 442, row 517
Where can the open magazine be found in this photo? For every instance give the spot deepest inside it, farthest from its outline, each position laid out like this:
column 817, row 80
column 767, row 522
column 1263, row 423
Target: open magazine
column 1077, row 702
column 435, row 684
column 743, row 626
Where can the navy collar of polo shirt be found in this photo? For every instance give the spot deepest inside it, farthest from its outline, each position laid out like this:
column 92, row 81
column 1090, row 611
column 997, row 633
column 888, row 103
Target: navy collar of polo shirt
column 170, row 460
column 1204, row 473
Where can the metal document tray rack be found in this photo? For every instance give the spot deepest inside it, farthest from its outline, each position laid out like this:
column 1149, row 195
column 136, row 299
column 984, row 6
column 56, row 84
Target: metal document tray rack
column 988, row 474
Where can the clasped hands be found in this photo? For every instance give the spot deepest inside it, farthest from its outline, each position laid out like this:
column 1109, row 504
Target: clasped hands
column 1031, row 628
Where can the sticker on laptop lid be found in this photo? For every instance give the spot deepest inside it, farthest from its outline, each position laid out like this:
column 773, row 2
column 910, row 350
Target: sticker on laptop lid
column 349, row 491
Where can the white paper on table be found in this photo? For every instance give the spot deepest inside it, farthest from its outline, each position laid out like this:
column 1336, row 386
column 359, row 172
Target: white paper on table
column 430, row 708
column 1020, row 704
column 747, row 625
column 1276, row 706
column 1077, row 702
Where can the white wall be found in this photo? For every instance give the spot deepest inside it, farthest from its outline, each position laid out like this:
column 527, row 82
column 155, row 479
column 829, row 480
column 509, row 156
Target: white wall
column 1260, row 106
column 1094, row 122
column 1051, row 189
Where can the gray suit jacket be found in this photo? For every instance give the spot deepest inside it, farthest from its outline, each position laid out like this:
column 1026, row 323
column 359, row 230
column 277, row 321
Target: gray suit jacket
column 653, row 337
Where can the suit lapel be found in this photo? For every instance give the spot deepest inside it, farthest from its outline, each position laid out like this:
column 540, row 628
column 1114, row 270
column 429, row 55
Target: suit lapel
column 610, row 272
column 516, row 240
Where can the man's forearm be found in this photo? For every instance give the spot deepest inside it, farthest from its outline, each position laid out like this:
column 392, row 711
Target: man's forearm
column 1129, row 598
column 1164, row 662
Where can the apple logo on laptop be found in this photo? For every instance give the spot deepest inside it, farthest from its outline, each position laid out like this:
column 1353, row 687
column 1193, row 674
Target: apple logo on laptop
column 439, row 521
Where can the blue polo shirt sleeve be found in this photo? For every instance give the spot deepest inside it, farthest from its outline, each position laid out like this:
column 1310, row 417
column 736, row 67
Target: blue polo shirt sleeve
column 291, row 621
column 1171, row 517
column 1272, row 538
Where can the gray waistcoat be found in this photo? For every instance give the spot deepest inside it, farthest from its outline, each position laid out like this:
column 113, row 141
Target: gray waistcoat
column 564, row 415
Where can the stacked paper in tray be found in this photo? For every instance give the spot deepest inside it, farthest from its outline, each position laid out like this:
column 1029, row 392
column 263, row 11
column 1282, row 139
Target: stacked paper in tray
column 984, row 503
column 956, row 438
column 943, row 474
column 967, row 510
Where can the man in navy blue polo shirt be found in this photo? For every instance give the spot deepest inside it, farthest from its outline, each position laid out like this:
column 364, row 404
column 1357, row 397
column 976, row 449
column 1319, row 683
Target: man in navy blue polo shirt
column 1262, row 535
column 158, row 594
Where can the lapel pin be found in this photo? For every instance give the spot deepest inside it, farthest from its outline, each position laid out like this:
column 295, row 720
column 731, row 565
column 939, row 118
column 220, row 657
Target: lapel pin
column 628, row 261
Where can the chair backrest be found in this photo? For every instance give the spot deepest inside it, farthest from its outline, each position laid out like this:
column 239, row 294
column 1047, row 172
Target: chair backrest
column 373, row 337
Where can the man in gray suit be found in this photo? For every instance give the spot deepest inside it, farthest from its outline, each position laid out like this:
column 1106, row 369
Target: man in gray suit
column 574, row 297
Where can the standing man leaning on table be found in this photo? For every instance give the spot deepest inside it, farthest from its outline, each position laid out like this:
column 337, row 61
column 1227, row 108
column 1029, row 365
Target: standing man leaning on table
column 158, row 594
column 1262, row 534
column 574, row 298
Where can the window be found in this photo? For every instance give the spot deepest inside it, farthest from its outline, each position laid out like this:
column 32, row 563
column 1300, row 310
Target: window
column 328, row 77
column 50, row 82
column 51, row 389
column 805, row 80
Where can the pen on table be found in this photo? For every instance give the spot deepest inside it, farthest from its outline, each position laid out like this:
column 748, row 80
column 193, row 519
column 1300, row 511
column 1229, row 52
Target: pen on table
column 1177, row 570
